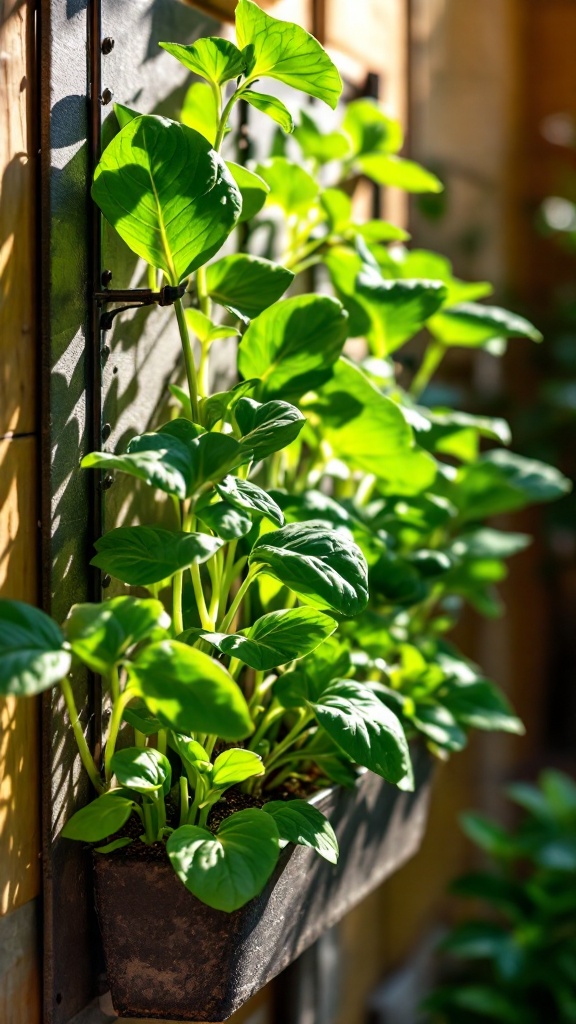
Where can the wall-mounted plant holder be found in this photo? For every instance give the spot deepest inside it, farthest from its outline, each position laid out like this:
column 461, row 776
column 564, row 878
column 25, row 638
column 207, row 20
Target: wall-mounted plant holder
column 170, row 957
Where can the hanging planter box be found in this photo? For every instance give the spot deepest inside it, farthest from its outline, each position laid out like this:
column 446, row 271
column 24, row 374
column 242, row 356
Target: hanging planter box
column 170, row 957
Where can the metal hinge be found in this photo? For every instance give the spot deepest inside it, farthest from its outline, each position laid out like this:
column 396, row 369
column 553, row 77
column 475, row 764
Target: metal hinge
column 134, row 298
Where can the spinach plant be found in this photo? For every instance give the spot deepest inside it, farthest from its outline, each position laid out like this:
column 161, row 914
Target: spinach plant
column 517, row 962
column 325, row 523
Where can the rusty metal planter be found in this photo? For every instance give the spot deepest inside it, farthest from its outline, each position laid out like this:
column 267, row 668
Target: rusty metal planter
column 170, row 957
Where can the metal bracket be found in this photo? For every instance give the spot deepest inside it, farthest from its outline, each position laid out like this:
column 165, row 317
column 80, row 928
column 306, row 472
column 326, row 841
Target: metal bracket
column 135, row 298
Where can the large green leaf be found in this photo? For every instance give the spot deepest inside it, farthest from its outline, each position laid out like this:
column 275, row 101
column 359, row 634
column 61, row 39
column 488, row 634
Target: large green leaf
column 292, row 345
column 267, row 427
column 276, row 638
column 225, row 520
column 189, row 691
column 271, row 106
column 101, row 634
column 393, row 171
column 143, row 769
column 243, row 494
column 283, row 50
column 234, row 766
column 247, row 285
column 253, row 190
column 325, row 568
column 213, row 58
column 503, row 482
column 299, row 822
column 99, row 819
column 400, row 308
column 481, row 705
column 200, row 112
column 364, row 728
column 370, row 130
column 289, row 186
column 219, row 405
column 470, row 324
column 142, row 555
column 167, row 193
column 32, row 655
column 160, row 460
column 209, row 456
column 227, row 869
column 367, row 429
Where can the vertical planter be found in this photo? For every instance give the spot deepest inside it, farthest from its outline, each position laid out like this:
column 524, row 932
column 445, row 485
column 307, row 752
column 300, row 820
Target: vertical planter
column 170, row 957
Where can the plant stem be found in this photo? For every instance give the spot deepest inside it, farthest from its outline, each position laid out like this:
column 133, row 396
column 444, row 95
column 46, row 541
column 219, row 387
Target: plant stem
column 115, row 723
column 85, row 755
column 229, row 618
column 226, row 114
column 188, row 358
column 433, row 356
column 291, row 737
column 114, row 683
column 162, row 741
column 184, row 799
column 177, row 617
column 275, row 711
column 148, row 823
column 205, row 619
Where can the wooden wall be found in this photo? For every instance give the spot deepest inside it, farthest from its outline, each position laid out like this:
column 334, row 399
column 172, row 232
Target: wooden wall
column 19, row 723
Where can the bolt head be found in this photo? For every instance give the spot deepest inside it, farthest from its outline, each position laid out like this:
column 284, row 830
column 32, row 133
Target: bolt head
column 107, row 45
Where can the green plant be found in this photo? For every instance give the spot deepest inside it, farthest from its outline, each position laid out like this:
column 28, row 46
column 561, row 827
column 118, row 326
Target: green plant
column 324, row 524
column 517, row 963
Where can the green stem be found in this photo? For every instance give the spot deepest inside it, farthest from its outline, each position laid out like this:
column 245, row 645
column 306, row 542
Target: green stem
column 433, row 356
column 205, row 619
column 184, row 800
column 162, row 741
column 189, row 363
column 148, row 823
column 226, row 114
column 242, row 590
column 114, row 683
column 115, row 723
column 304, row 717
column 85, row 755
column 272, row 715
column 177, row 616
column 139, row 739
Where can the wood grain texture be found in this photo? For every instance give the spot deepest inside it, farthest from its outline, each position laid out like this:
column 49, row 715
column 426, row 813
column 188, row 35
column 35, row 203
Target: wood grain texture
column 225, row 8
column 19, row 986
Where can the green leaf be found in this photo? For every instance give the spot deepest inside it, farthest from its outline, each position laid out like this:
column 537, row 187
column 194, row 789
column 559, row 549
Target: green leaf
column 299, row 822
column 486, row 542
column 325, row 568
column 124, row 114
column 481, row 705
column 167, row 193
column 247, row 285
column 214, row 456
column 234, row 766
column 205, row 329
column 276, row 638
column 400, row 308
column 182, row 398
column 394, row 172
column 292, row 345
column 142, row 769
column 364, row 728
column 271, row 106
column 283, row 50
column 367, row 429
column 337, row 206
column 192, row 752
column 217, row 406
column 138, row 716
column 99, row 819
column 243, row 494
column 228, row 869
column 116, row 844
column 253, row 190
column 101, row 634
column 143, row 555
column 439, row 725
column 320, row 146
column 189, row 691
column 158, row 459
column 32, row 657
column 227, row 522
column 213, row 58
column 420, row 263
column 289, row 186
column 489, row 836
column 268, row 427
column 471, row 325
column 503, row 482
column 200, row 112
column 370, row 130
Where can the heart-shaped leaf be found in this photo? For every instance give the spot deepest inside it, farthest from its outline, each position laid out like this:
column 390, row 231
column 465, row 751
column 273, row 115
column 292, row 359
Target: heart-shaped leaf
column 234, row 766
column 283, row 50
column 143, row 769
column 272, row 106
column 276, row 638
column 228, row 869
column 243, row 494
column 292, row 345
column 364, row 728
column 143, row 555
column 299, row 822
column 167, row 193
column 32, row 655
column 324, row 568
column 189, row 691
column 227, row 522
column 213, row 58
column 267, row 427
column 100, row 819
column 253, row 190
column 101, row 634
column 247, row 285
column 159, row 459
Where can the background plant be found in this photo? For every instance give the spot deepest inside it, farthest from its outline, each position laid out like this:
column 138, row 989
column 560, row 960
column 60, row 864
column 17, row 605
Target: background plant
column 326, row 526
column 517, row 961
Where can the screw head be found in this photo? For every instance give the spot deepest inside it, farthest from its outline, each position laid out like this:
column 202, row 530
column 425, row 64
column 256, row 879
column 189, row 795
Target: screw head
column 106, row 97
column 107, row 45
column 106, row 431
column 106, row 277
column 106, row 581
